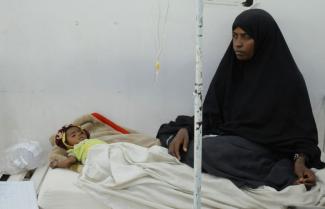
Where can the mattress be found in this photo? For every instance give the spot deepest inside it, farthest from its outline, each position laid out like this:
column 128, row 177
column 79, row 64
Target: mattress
column 58, row 190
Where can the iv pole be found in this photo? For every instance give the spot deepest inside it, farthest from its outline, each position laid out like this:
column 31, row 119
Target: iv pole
column 198, row 103
column 198, row 106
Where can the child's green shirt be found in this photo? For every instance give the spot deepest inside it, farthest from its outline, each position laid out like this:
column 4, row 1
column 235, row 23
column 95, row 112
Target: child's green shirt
column 80, row 150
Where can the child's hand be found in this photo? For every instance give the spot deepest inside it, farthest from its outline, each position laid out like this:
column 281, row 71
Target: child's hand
column 54, row 163
column 66, row 163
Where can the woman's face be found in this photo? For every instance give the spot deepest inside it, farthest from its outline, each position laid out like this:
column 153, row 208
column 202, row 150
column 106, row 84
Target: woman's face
column 243, row 44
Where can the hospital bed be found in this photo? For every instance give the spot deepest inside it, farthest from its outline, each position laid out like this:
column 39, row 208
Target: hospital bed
column 56, row 188
column 59, row 191
column 59, row 188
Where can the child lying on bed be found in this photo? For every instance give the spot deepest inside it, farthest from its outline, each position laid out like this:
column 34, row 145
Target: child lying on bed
column 77, row 143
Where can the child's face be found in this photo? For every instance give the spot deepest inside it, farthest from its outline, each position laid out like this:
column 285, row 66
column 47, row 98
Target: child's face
column 75, row 135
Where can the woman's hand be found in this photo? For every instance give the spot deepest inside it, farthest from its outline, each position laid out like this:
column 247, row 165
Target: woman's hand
column 181, row 140
column 304, row 174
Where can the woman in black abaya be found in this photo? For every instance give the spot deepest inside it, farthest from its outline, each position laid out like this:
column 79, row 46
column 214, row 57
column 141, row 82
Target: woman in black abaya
column 258, row 106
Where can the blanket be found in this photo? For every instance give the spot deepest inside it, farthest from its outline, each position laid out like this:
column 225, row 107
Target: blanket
column 102, row 128
column 124, row 175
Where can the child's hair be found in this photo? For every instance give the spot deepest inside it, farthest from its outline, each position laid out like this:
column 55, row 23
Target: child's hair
column 60, row 137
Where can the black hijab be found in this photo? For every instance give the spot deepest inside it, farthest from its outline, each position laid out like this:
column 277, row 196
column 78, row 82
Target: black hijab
column 265, row 99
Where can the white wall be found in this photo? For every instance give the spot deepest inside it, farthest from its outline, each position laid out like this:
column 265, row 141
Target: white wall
column 62, row 59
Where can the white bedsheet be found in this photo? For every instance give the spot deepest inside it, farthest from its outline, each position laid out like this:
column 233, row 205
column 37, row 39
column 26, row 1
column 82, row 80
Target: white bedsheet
column 58, row 191
column 124, row 175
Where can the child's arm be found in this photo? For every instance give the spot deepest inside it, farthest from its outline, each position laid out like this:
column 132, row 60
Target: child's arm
column 63, row 163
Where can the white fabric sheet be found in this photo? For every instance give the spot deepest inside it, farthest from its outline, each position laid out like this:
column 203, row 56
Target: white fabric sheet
column 58, row 191
column 123, row 175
